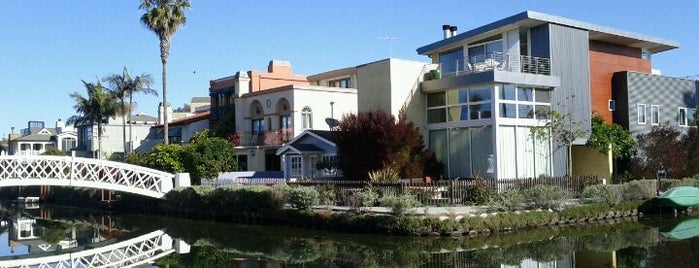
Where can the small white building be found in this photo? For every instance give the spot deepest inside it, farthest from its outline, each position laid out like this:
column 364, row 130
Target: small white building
column 37, row 139
column 113, row 136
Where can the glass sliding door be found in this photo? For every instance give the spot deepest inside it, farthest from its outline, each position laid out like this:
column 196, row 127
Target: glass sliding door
column 459, row 153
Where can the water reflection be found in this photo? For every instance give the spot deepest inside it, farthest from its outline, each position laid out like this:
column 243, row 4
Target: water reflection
column 167, row 242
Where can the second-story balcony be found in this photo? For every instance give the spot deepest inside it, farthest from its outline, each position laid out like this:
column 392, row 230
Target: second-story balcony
column 267, row 138
column 495, row 61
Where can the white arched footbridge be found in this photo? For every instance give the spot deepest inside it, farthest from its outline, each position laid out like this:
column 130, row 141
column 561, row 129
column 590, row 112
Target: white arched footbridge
column 87, row 172
column 130, row 253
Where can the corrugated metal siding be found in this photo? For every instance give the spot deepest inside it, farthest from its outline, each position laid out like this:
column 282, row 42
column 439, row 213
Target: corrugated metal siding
column 569, row 50
column 668, row 93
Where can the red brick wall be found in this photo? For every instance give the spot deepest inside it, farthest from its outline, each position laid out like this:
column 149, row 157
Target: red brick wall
column 605, row 60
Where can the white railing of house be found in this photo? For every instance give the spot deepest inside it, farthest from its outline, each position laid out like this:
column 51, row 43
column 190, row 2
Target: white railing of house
column 497, row 61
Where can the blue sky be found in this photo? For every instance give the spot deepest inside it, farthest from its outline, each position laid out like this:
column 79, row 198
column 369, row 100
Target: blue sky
column 48, row 47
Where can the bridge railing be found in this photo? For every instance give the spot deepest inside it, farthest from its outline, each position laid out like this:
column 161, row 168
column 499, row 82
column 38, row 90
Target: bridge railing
column 84, row 172
column 129, row 253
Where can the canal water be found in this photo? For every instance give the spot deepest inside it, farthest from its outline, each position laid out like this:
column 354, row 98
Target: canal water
column 36, row 236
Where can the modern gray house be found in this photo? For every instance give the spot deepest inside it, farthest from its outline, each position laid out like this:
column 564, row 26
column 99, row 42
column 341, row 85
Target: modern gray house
column 497, row 81
column 643, row 101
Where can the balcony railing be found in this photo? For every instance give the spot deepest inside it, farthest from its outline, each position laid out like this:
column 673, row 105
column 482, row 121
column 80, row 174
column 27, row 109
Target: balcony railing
column 273, row 137
column 496, row 61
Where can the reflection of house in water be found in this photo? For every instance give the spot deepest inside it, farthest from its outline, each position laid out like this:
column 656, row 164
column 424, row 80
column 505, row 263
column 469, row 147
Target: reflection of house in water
column 24, row 232
column 563, row 262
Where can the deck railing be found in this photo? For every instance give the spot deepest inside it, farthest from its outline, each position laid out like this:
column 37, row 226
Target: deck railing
column 273, row 137
column 496, row 61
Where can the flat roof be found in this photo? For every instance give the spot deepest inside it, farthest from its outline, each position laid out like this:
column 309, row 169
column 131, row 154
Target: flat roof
column 531, row 18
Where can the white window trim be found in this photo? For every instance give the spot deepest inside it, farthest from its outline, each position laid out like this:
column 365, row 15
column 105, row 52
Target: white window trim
column 638, row 115
column 293, row 172
column 657, row 108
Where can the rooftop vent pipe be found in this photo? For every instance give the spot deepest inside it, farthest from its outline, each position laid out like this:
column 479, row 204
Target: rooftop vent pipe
column 446, row 28
column 453, row 30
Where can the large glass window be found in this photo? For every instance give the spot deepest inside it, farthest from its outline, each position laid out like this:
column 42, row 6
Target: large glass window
column 482, row 151
column 438, row 144
column 436, row 105
column 459, row 105
column 452, row 61
column 481, row 52
column 459, row 152
column 529, row 102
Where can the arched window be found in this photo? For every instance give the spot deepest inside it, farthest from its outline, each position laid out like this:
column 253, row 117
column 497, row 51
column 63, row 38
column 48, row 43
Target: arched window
column 307, row 117
column 284, row 114
column 257, row 115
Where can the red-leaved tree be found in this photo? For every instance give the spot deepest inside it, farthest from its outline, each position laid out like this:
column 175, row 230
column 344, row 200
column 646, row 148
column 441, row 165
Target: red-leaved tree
column 373, row 140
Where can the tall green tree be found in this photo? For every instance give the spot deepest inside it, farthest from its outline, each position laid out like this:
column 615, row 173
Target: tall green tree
column 95, row 108
column 123, row 86
column 564, row 130
column 604, row 135
column 206, row 156
column 164, row 18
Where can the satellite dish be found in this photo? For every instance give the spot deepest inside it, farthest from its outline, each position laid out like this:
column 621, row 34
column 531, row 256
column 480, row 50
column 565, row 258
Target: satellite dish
column 332, row 122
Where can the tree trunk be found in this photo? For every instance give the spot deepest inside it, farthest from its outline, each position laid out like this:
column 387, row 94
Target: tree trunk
column 123, row 126
column 130, row 109
column 165, row 119
column 99, row 139
column 164, row 53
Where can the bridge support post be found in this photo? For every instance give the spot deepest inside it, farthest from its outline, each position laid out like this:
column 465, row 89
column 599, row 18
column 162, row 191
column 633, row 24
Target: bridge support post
column 182, row 180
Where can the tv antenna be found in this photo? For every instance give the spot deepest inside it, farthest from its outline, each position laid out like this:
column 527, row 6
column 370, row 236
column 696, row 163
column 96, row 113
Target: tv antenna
column 390, row 40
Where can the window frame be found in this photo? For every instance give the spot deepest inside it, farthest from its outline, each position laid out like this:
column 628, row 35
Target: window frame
column 641, row 115
column 654, row 114
column 295, row 165
column 306, row 118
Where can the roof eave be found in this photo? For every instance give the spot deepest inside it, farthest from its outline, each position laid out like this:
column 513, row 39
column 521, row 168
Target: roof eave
column 653, row 44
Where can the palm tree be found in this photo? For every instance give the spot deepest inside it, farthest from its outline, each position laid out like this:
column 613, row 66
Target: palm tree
column 123, row 86
column 99, row 105
column 164, row 17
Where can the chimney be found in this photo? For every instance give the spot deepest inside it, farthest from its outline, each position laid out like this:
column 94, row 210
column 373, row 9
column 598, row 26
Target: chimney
column 446, row 28
column 279, row 67
column 453, row 30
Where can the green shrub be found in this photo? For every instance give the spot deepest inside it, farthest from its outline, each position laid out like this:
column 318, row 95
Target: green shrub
column 384, row 175
column 362, row 198
column 304, row 197
column 399, row 204
column 639, row 190
column 510, row 199
column 281, row 191
column 479, row 193
column 327, row 194
column 546, row 196
column 605, row 194
column 693, row 181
